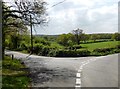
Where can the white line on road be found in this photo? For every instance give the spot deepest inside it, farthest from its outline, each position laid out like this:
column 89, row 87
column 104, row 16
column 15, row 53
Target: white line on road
column 77, row 86
column 81, row 67
column 79, row 71
column 83, row 64
column 78, row 81
column 78, row 75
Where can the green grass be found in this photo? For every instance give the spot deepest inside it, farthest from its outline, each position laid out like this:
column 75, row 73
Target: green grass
column 13, row 77
column 92, row 46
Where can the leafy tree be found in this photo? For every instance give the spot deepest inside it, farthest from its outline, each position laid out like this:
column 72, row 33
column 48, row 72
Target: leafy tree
column 63, row 39
column 116, row 36
column 84, row 37
column 77, row 34
column 94, row 37
column 25, row 13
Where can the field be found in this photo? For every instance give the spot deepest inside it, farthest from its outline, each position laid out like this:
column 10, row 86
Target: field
column 92, row 46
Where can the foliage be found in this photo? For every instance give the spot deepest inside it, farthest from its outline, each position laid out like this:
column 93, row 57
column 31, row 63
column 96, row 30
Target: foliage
column 63, row 40
column 77, row 34
column 12, row 74
column 72, row 53
column 94, row 37
column 35, row 8
column 116, row 36
column 41, row 41
column 105, row 51
column 84, row 37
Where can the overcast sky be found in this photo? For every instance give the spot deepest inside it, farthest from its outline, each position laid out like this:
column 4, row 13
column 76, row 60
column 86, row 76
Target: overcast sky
column 93, row 16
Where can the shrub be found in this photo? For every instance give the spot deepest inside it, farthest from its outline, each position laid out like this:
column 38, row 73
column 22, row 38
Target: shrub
column 36, row 48
column 23, row 46
column 77, row 46
column 72, row 53
column 103, row 50
column 45, row 50
column 52, row 53
column 118, row 46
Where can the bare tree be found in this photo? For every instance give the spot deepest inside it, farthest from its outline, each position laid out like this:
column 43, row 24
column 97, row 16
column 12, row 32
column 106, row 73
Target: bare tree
column 34, row 8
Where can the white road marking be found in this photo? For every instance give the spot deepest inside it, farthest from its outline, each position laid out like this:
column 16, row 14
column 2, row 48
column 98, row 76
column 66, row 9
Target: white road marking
column 78, row 75
column 79, row 71
column 78, row 81
column 81, row 68
column 83, row 64
column 86, row 63
column 78, row 86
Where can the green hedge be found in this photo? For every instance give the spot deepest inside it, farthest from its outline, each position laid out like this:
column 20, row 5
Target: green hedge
column 72, row 53
column 105, row 51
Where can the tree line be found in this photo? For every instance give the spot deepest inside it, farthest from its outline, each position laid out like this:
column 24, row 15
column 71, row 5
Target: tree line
column 77, row 37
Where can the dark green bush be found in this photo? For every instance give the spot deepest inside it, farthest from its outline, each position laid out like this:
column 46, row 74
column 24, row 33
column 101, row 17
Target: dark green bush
column 118, row 46
column 23, row 46
column 45, row 50
column 103, row 50
column 72, row 53
column 37, row 48
column 77, row 46
column 52, row 53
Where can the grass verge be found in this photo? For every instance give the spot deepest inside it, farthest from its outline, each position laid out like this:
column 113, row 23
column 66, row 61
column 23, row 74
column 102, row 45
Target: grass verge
column 13, row 74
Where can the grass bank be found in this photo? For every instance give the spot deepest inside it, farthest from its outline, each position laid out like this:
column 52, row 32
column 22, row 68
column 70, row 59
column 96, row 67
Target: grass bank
column 13, row 74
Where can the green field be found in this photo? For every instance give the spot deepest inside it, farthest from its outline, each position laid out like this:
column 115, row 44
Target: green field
column 13, row 76
column 92, row 46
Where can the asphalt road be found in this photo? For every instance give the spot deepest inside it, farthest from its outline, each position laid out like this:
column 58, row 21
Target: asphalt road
column 101, row 73
column 71, row 72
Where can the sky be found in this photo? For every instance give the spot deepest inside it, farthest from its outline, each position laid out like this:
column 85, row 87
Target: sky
column 92, row 16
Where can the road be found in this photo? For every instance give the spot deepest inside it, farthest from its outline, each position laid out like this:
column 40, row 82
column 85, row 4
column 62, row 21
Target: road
column 71, row 72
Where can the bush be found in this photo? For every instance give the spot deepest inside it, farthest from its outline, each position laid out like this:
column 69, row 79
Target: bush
column 77, row 46
column 36, row 48
column 105, row 51
column 72, row 53
column 45, row 50
column 23, row 46
column 52, row 53
column 118, row 46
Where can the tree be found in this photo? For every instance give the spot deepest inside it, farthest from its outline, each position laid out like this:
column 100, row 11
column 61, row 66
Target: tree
column 32, row 13
column 63, row 39
column 77, row 34
column 84, row 37
column 35, row 8
column 94, row 37
column 116, row 36
column 24, row 13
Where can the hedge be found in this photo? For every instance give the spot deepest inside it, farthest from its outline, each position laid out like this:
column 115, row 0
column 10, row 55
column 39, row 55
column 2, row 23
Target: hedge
column 72, row 53
column 105, row 51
